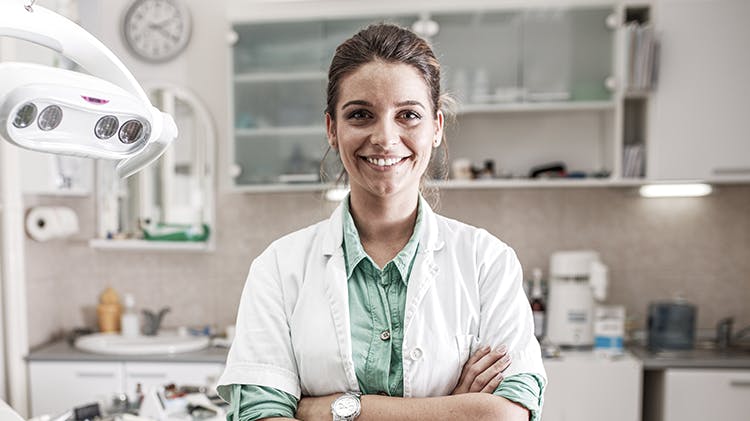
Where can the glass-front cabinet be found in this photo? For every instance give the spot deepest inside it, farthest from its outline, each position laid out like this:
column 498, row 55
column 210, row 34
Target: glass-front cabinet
column 532, row 87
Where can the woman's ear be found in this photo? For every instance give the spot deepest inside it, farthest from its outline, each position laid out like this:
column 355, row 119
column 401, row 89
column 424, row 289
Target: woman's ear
column 439, row 121
column 331, row 132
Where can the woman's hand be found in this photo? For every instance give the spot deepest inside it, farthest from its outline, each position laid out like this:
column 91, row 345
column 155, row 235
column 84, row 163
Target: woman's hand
column 483, row 371
column 315, row 408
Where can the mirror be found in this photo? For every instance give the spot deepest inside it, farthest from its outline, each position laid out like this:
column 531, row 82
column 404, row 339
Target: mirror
column 172, row 199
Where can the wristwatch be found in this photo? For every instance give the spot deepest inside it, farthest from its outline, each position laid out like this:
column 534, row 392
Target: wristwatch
column 346, row 407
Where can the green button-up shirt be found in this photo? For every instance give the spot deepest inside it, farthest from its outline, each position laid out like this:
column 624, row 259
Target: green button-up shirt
column 377, row 298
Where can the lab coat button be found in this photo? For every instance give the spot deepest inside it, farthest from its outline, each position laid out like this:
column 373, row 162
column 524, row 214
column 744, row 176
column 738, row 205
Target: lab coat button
column 385, row 335
column 416, row 354
column 381, row 393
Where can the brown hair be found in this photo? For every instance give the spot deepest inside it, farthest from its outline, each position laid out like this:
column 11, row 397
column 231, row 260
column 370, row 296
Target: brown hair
column 391, row 44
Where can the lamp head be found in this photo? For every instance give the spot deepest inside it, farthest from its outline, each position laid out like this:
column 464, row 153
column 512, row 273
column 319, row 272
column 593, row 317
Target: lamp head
column 104, row 115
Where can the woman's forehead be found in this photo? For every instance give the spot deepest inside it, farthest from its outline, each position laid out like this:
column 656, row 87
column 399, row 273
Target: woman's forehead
column 378, row 80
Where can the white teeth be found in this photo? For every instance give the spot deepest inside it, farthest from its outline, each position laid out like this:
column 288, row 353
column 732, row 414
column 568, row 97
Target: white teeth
column 382, row 162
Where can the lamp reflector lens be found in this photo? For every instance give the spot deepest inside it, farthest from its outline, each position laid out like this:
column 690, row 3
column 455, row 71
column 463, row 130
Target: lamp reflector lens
column 50, row 118
column 106, row 127
column 131, row 131
column 25, row 116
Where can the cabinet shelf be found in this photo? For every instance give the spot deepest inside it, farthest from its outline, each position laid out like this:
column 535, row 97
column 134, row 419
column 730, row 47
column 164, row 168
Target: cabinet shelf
column 182, row 246
column 536, row 106
column 263, row 77
column 281, row 131
column 536, row 183
column 520, row 183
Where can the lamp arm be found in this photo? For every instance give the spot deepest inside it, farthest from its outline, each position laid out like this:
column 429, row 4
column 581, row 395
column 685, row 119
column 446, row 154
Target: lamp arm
column 46, row 28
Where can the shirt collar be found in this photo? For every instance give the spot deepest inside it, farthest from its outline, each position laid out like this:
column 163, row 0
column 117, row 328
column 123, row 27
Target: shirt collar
column 354, row 253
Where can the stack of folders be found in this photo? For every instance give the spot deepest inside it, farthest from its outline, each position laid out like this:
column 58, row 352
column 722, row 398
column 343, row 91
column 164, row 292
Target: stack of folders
column 642, row 61
column 632, row 161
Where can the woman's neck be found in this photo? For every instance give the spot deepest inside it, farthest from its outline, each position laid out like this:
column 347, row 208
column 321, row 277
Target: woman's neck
column 384, row 220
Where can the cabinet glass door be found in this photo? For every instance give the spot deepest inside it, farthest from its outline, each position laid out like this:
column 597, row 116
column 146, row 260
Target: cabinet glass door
column 534, row 55
column 280, row 76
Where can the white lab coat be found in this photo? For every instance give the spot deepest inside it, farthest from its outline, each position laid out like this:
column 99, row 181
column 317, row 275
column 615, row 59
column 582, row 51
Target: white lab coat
column 293, row 330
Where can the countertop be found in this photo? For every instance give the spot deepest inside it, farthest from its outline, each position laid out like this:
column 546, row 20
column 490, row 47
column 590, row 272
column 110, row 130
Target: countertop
column 697, row 358
column 62, row 351
column 693, row 358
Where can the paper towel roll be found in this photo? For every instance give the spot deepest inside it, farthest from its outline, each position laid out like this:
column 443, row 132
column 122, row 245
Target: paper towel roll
column 45, row 223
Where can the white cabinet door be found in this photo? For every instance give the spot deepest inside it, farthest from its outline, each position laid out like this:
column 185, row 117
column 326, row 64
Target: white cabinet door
column 699, row 395
column 699, row 126
column 59, row 386
column 585, row 388
column 160, row 374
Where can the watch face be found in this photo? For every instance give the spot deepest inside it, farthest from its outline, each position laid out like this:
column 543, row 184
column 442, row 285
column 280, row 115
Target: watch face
column 346, row 406
column 157, row 30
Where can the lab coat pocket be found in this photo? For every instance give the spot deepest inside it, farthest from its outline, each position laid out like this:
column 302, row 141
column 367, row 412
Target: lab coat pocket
column 467, row 344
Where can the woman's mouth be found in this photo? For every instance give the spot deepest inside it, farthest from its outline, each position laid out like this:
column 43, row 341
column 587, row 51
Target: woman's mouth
column 383, row 163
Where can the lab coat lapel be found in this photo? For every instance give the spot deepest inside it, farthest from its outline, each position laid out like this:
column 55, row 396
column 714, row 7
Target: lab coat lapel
column 425, row 270
column 337, row 293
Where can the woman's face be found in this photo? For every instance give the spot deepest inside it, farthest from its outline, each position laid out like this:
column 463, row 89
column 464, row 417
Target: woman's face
column 384, row 129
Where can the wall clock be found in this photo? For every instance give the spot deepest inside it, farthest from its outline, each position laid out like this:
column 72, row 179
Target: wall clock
column 157, row 30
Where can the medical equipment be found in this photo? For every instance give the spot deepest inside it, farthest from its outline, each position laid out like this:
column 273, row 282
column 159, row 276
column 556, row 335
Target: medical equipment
column 104, row 114
column 578, row 280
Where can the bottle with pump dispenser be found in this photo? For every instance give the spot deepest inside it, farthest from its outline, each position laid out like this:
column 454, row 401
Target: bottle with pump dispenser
column 538, row 306
column 130, row 325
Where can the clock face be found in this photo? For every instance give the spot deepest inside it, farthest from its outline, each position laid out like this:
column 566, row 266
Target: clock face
column 157, row 30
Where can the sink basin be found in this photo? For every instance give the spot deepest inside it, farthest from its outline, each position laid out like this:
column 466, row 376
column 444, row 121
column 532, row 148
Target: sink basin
column 164, row 343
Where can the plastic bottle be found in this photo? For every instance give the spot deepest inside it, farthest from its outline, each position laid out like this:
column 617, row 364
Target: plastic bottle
column 129, row 324
column 538, row 306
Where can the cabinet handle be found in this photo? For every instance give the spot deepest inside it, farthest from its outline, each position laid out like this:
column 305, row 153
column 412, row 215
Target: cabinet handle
column 94, row 374
column 732, row 171
column 739, row 383
column 149, row 375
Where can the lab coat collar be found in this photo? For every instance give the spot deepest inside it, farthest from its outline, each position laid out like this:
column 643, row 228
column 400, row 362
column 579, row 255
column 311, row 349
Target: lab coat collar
column 430, row 240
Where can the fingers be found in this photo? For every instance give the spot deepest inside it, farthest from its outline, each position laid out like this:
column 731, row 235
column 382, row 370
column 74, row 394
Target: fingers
column 479, row 354
column 486, row 362
column 493, row 384
column 491, row 375
column 483, row 370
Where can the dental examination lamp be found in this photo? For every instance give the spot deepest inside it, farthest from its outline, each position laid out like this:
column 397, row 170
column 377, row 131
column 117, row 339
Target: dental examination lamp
column 103, row 114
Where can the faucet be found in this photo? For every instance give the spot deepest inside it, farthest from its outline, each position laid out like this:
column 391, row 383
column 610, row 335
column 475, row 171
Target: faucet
column 153, row 321
column 724, row 333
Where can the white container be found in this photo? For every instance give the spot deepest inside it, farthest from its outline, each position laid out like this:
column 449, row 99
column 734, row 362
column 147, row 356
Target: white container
column 130, row 325
column 577, row 280
column 609, row 330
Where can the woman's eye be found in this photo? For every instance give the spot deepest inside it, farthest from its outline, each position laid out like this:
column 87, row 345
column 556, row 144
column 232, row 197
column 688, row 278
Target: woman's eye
column 358, row 115
column 410, row 115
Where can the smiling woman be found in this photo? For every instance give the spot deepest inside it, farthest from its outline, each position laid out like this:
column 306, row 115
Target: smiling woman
column 386, row 310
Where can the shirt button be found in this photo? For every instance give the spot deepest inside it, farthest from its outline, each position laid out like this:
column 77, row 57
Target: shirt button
column 416, row 353
column 381, row 393
column 385, row 335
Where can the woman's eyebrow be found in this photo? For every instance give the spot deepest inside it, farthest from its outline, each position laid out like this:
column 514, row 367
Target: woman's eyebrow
column 362, row 102
column 411, row 102
column 356, row 102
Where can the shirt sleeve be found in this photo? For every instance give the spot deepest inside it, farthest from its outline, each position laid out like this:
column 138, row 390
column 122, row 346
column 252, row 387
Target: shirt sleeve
column 261, row 353
column 506, row 317
column 251, row 402
column 525, row 389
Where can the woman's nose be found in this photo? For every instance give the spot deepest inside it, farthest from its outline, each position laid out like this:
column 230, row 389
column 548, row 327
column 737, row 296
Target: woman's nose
column 385, row 134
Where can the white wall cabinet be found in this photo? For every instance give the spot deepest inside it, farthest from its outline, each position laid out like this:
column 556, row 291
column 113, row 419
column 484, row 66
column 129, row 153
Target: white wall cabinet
column 532, row 84
column 699, row 125
column 586, row 388
column 57, row 386
column 697, row 395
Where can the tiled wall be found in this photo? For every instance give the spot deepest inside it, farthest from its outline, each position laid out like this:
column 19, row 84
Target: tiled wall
column 654, row 248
